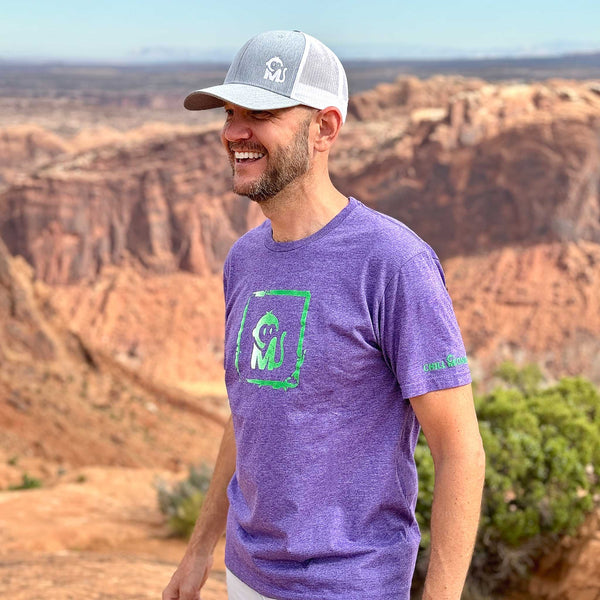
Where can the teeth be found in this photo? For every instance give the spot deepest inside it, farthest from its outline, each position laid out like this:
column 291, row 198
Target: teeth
column 244, row 155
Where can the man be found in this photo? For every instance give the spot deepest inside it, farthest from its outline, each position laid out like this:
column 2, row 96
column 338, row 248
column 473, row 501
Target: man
column 340, row 340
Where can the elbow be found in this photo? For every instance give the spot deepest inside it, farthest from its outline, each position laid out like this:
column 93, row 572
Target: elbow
column 479, row 460
column 474, row 461
column 474, row 453
column 467, row 457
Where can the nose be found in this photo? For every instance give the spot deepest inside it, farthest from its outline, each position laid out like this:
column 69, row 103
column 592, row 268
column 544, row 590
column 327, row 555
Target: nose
column 236, row 128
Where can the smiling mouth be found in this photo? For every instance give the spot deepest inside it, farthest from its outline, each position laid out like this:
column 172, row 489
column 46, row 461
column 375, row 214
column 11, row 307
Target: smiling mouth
column 247, row 157
column 241, row 155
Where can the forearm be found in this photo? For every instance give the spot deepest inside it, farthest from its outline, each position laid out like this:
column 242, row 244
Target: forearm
column 454, row 520
column 212, row 519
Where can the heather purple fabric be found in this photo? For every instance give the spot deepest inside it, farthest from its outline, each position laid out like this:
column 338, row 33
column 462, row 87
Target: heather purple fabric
column 326, row 339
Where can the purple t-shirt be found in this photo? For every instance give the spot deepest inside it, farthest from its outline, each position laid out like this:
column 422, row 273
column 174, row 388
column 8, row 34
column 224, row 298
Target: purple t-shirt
column 326, row 340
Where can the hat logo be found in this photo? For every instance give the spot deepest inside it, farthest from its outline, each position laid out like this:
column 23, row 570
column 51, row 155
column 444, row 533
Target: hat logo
column 275, row 70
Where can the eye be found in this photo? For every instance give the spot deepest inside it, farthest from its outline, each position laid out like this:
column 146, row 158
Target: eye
column 261, row 115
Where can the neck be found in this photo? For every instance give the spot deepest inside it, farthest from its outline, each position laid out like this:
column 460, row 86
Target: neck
column 302, row 208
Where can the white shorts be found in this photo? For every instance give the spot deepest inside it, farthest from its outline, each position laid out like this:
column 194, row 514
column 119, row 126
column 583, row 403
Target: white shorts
column 238, row 590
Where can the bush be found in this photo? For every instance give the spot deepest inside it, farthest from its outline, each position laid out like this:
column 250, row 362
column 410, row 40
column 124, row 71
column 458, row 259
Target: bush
column 181, row 503
column 541, row 447
column 27, row 483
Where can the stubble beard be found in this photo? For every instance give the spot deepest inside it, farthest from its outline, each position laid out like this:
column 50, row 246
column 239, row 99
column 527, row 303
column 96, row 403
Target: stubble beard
column 284, row 166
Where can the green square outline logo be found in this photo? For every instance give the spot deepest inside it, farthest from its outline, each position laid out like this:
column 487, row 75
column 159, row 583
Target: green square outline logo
column 294, row 379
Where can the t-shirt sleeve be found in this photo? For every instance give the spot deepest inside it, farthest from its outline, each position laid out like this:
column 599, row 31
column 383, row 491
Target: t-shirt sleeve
column 419, row 334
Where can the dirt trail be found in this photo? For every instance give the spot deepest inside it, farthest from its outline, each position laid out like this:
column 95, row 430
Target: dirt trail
column 98, row 536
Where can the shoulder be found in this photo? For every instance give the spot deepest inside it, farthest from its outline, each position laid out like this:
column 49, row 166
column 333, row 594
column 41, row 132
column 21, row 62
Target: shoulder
column 389, row 240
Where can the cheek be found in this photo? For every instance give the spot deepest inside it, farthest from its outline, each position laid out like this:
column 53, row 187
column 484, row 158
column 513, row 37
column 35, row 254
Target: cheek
column 224, row 140
column 228, row 152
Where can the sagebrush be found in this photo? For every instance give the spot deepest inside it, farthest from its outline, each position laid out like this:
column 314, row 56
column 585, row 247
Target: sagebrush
column 181, row 502
column 542, row 446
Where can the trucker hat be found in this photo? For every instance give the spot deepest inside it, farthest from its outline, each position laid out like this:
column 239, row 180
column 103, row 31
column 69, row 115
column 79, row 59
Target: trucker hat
column 279, row 69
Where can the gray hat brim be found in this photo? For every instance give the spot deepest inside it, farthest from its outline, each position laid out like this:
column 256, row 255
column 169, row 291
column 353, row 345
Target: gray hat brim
column 247, row 96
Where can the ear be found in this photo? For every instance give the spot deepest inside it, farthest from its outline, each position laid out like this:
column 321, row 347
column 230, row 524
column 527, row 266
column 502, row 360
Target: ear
column 329, row 122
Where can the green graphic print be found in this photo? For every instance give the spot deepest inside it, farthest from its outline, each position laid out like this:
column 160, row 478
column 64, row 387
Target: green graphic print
column 269, row 350
column 267, row 328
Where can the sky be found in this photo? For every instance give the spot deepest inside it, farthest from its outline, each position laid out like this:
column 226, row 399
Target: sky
column 156, row 30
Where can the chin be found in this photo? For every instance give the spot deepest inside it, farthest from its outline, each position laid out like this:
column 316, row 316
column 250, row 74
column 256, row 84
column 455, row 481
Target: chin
column 252, row 191
column 248, row 193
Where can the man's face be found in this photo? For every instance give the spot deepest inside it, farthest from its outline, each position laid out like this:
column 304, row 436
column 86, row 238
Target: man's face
column 267, row 150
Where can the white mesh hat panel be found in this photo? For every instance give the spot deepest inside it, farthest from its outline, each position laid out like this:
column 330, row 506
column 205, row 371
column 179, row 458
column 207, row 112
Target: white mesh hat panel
column 321, row 80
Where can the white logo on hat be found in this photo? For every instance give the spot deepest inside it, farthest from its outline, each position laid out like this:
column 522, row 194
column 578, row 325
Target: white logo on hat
column 274, row 70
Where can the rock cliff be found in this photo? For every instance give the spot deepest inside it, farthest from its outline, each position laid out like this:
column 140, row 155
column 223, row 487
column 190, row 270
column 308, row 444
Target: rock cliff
column 64, row 403
column 571, row 571
column 163, row 205
column 25, row 146
column 473, row 166
column 133, row 236
column 502, row 180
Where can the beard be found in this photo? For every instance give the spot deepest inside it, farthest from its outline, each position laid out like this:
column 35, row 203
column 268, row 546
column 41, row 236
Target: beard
column 284, row 166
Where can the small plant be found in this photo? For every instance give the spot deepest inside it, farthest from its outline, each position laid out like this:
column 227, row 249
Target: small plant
column 85, row 388
column 13, row 461
column 27, row 483
column 182, row 502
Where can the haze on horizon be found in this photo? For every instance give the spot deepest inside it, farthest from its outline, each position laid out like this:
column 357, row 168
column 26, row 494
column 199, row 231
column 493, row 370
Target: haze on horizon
column 139, row 31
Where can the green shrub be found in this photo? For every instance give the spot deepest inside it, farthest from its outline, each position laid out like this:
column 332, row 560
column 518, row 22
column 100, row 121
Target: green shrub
column 182, row 502
column 27, row 483
column 541, row 447
column 527, row 378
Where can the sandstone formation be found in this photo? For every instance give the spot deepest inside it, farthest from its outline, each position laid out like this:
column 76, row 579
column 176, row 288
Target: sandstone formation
column 65, row 404
column 524, row 303
column 166, row 327
column 92, row 576
column 471, row 166
column 409, row 93
column 136, row 234
column 482, row 167
column 158, row 204
column 571, row 571
column 504, row 182
column 26, row 146
column 478, row 170
column 92, row 532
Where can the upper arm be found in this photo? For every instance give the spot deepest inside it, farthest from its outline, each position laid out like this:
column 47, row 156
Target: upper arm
column 418, row 333
column 449, row 422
